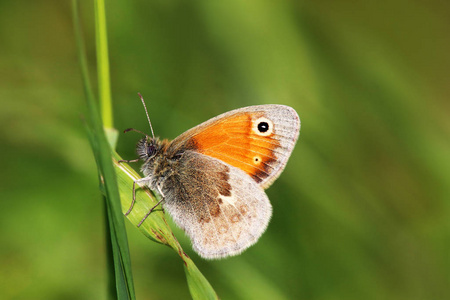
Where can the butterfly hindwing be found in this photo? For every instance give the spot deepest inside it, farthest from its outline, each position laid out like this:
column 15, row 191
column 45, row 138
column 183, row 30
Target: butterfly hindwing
column 219, row 206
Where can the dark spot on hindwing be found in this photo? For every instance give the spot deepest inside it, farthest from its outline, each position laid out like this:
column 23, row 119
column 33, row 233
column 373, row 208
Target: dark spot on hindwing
column 235, row 218
column 204, row 220
column 243, row 209
column 214, row 209
column 224, row 186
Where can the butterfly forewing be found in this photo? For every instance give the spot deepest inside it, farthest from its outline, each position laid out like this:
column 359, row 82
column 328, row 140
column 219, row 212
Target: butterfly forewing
column 258, row 139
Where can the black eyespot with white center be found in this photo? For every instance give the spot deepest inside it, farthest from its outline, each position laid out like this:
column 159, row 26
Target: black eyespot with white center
column 263, row 126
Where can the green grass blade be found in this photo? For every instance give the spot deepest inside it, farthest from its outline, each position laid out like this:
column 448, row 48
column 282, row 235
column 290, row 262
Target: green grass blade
column 109, row 256
column 102, row 153
column 199, row 287
column 121, row 279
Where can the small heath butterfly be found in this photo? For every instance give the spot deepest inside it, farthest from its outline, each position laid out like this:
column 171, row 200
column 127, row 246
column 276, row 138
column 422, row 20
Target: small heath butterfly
column 212, row 177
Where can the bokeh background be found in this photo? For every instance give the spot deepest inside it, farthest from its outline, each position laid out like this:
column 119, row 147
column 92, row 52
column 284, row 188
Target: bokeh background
column 362, row 209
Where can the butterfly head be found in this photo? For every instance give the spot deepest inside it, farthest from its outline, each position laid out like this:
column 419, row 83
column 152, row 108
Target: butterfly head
column 148, row 147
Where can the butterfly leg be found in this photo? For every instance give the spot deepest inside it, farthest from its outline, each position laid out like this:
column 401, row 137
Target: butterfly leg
column 151, row 210
column 142, row 180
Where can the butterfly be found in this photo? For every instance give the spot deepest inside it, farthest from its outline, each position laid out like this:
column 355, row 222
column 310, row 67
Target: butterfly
column 211, row 178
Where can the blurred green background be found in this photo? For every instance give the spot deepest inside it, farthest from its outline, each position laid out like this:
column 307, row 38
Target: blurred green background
column 362, row 209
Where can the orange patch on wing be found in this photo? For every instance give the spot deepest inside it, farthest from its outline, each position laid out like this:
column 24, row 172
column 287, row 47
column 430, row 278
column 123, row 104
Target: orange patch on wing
column 233, row 141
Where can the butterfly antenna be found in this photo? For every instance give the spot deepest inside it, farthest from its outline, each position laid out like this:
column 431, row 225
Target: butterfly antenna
column 146, row 112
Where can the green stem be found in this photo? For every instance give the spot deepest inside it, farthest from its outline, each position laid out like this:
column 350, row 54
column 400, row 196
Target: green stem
column 104, row 86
